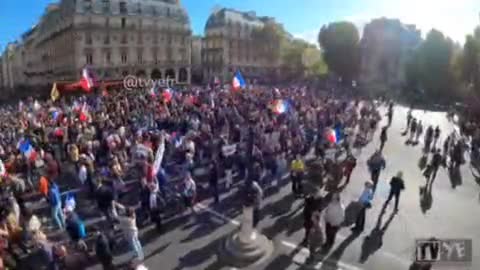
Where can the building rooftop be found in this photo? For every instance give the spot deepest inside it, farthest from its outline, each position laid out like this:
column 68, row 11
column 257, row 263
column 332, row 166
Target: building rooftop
column 225, row 16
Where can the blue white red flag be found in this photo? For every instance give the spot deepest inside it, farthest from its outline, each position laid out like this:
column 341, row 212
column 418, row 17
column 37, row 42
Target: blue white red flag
column 27, row 149
column 238, row 82
column 280, row 106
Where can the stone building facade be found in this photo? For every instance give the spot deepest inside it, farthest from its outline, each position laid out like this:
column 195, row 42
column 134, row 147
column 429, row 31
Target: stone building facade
column 386, row 45
column 229, row 46
column 196, row 65
column 113, row 37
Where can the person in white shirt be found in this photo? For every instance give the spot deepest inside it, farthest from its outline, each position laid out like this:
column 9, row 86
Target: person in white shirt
column 334, row 218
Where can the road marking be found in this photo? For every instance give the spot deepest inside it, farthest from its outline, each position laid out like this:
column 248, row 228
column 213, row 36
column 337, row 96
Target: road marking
column 304, row 250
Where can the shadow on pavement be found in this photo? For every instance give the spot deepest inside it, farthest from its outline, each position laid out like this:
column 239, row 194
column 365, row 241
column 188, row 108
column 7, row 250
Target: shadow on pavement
column 204, row 226
column 373, row 242
column 426, row 198
column 199, row 256
column 331, row 261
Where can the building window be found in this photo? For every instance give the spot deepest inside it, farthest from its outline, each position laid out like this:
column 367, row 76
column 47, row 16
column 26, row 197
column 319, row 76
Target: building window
column 124, row 22
column 140, row 57
column 124, row 58
column 106, row 41
column 89, row 59
column 168, row 12
column 124, row 39
column 106, row 6
column 140, row 38
column 108, row 58
column 154, row 10
column 155, row 39
column 123, row 7
column 88, row 5
column 88, row 38
column 107, row 22
column 139, row 8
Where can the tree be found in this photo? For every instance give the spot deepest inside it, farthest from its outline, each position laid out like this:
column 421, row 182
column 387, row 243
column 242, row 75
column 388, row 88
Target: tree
column 292, row 57
column 471, row 61
column 434, row 65
column 340, row 45
column 270, row 40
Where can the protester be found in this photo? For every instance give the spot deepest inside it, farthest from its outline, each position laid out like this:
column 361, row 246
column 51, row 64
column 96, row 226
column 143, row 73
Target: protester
column 397, row 185
column 103, row 249
column 383, row 137
column 296, row 174
column 334, row 218
column 55, row 201
column 365, row 203
column 376, row 163
column 128, row 224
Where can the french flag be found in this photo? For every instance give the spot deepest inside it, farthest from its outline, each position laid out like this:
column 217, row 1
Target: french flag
column 27, row 149
column 280, row 106
column 83, row 113
column 238, row 82
column 87, row 82
column 334, row 135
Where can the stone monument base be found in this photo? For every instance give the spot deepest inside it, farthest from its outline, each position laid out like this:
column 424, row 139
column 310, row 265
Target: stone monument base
column 239, row 251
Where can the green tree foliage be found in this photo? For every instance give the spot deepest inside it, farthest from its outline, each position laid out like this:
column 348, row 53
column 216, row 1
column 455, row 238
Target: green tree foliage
column 471, row 61
column 340, row 45
column 430, row 71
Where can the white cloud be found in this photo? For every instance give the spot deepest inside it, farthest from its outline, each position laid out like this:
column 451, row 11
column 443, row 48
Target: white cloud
column 311, row 36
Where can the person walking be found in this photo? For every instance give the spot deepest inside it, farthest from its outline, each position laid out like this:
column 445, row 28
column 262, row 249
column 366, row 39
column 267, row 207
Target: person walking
column 365, row 203
column 55, row 201
column 334, row 217
column 376, row 163
column 432, row 169
column 308, row 208
column 128, row 225
column 296, row 173
column 103, row 250
column 413, row 130
column 348, row 166
column 213, row 181
column 436, row 136
column 397, row 185
column 418, row 132
column 315, row 240
column 189, row 192
column 383, row 137
column 428, row 138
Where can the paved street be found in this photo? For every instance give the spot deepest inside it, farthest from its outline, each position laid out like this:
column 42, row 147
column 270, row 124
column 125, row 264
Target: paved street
column 191, row 242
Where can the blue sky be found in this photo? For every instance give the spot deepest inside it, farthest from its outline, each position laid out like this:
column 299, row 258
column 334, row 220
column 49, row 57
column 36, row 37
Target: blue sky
column 302, row 18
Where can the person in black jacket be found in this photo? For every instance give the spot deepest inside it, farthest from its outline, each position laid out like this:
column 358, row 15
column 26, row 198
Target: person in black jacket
column 103, row 250
column 214, row 176
column 396, row 186
column 383, row 137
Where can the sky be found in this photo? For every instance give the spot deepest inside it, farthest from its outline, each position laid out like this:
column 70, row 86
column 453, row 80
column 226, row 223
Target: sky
column 302, row 18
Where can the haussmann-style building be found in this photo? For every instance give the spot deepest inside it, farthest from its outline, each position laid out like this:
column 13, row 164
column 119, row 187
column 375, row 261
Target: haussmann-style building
column 229, row 46
column 149, row 38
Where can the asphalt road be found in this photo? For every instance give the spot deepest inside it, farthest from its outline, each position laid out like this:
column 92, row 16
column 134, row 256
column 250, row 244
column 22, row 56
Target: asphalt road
column 192, row 241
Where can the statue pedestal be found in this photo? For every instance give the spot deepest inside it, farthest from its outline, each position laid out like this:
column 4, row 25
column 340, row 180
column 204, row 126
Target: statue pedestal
column 246, row 246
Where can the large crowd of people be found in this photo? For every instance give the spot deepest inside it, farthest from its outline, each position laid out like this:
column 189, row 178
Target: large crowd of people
column 158, row 143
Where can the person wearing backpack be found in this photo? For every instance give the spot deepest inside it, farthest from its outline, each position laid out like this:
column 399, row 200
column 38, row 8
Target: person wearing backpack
column 396, row 186
column 55, row 201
